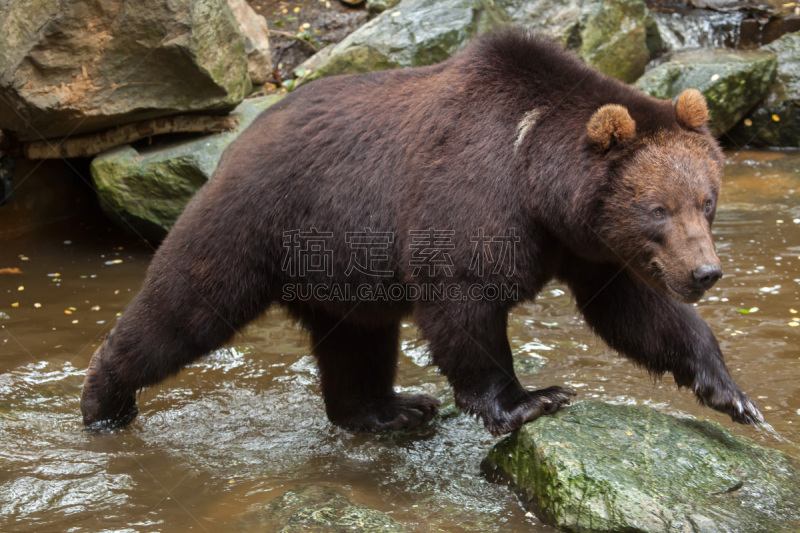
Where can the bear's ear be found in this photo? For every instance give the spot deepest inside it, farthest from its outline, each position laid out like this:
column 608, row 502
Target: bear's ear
column 691, row 109
column 609, row 124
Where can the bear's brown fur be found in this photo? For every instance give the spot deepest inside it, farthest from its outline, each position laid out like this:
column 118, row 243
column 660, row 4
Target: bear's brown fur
column 593, row 182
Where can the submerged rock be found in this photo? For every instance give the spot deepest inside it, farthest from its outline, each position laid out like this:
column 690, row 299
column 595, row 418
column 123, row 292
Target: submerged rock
column 732, row 81
column 600, row 467
column 146, row 189
column 74, row 67
column 313, row 509
column 618, row 37
column 776, row 120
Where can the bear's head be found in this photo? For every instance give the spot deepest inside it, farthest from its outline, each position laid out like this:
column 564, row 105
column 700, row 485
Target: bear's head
column 661, row 197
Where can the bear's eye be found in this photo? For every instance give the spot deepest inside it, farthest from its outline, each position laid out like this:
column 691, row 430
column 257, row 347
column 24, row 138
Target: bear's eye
column 659, row 212
column 708, row 205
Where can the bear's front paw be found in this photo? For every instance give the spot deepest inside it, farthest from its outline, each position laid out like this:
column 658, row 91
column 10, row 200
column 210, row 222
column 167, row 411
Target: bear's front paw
column 400, row 411
column 529, row 407
column 731, row 401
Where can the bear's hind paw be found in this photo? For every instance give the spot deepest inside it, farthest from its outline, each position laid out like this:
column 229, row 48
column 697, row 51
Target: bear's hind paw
column 400, row 411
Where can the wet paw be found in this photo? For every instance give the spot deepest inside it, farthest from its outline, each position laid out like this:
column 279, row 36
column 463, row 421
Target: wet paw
column 104, row 403
column 733, row 402
column 533, row 405
column 401, row 411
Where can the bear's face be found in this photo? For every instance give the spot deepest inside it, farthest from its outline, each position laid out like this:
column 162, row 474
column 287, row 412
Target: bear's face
column 656, row 219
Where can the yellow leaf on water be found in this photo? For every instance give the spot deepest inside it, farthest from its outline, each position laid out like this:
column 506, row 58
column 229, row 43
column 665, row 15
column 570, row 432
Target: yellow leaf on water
column 15, row 304
column 10, row 271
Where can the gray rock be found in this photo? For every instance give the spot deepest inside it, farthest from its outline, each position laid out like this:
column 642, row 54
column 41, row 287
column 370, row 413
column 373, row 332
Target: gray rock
column 379, row 6
column 256, row 41
column 145, row 190
column 315, row 509
column 732, row 81
column 618, row 38
column 776, row 119
column 413, row 33
column 698, row 29
column 73, row 67
column 599, row 467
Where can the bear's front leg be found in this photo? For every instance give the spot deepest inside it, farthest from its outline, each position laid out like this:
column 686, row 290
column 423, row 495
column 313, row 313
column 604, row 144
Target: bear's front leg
column 659, row 333
column 469, row 344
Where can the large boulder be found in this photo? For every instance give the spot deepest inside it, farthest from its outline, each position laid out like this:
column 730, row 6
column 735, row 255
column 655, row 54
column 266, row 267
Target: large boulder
column 617, row 37
column 73, row 67
column 776, row 119
column 732, row 81
column 146, row 189
column 599, row 467
column 316, row 509
column 413, row 33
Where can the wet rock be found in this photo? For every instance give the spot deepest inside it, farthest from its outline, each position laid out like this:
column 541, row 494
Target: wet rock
column 314, row 509
column 599, row 467
column 776, row 119
column 256, row 41
column 73, row 67
column 618, row 38
column 698, row 29
column 145, row 189
column 732, row 81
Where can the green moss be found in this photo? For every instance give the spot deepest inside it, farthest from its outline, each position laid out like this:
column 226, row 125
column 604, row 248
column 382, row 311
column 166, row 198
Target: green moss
column 597, row 467
column 732, row 82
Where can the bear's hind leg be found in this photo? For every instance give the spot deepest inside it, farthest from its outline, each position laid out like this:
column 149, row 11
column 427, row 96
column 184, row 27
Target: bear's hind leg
column 176, row 318
column 357, row 369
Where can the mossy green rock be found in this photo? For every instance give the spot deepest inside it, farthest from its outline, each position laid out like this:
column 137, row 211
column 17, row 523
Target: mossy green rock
column 599, row 467
column 315, row 509
column 776, row 119
column 617, row 37
column 413, row 33
column 72, row 67
column 733, row 82
column 145, row 190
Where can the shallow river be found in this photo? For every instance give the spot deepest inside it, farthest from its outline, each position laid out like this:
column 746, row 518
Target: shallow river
column 247, row 423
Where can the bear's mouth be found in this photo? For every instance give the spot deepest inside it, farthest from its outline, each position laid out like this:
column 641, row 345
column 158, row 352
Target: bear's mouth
column 688, row 297
column 662, row 278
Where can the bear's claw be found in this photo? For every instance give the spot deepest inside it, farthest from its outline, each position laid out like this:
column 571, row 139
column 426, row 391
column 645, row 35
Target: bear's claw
column 533, row 405
column 731, row 401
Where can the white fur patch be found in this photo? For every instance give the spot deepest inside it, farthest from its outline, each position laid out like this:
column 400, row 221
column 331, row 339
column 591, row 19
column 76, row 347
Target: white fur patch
column 528, row 121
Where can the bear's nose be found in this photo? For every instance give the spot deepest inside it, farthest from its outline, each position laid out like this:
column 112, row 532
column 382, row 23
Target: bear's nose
column 705, row 276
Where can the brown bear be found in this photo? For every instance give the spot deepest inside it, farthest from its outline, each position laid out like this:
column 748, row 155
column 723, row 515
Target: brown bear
column 450, row 193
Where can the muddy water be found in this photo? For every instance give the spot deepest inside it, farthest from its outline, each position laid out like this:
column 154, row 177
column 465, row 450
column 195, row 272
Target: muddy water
column 247, row 423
